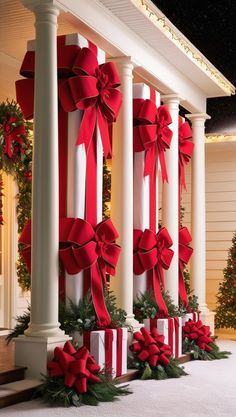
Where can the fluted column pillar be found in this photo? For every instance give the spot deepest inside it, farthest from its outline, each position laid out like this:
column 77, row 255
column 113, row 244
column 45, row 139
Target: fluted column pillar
column 170, row 198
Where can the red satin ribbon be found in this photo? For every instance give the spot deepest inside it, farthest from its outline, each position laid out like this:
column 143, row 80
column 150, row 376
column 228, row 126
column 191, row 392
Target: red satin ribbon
column 108, row 350
column 199, row 333
column 77, row 367
column 84, row 247
column 185, row 149
column 185, row 253
column 171, row 334
column 11, row 134
column 176, row 326
column 152, row 134
column 150, row 347
column 119, row 345
column 152, row 252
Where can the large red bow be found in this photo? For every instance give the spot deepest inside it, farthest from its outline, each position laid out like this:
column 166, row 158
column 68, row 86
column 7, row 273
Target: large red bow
column 185, row 253
column 185, row 149
column 12, row 133
column 199, row 333
column 84, row 247
column 152, row 252
column 83, row 84
column 152, row 134
column 150, row 347
column 77, row 367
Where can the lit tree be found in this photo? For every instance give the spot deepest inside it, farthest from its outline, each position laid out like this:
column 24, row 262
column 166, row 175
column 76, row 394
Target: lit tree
column 226, row 297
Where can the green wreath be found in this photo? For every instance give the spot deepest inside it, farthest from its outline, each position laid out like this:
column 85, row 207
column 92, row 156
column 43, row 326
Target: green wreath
column 16, row 160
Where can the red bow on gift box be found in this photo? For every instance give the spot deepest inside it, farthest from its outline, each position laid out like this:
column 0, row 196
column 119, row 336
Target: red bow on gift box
column 150, row 347
column 199, row 333
column 185, row 253
column 83, row 247
column 83, row 84
column 152, row 134
column 152, row 252
column 77, row 367
column 11, row 134
column 185, row 149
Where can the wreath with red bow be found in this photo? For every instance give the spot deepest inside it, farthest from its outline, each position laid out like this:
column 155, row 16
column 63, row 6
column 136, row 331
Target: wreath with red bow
column 197, row 339
column 74, row 378
column 152, row 357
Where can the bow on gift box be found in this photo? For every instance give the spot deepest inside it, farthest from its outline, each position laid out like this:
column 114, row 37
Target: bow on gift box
column 11, row 134
column 185, row 253
column 83, row 247
column 77, row 367
column 185, row 149
column 150, row 347
column 199, row 333
column 152, row 252
column 83, row 84
column 152, row 134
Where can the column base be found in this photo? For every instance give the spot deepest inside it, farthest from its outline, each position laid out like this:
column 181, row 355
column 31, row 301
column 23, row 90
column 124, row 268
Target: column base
column 35, row 352
column 44, row 330
column 208, row 318
column 134, row 326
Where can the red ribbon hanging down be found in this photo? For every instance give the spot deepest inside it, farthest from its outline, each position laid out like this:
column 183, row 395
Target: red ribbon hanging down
column 185, row 149
column 150, row 347
column 185, row 253
column 12, row 133
column 84, row 247
column 199, row 333
column 152, row 252
column 77, row 367
column 152, row 134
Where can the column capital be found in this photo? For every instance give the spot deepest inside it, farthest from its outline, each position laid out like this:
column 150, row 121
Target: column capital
column 52, row 6
column 171, row 98
column 202, row 117
column 122, row 61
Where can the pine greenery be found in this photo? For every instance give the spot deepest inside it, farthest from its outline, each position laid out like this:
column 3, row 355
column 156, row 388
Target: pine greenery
column 226, row 297
column 172, row 370
column 76, row 317
column 197, row 353
column 192, row 298
column 54, row 392
column 145, row 306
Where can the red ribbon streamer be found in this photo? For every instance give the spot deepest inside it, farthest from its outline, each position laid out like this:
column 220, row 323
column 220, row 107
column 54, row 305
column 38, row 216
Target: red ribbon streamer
column 185, row 253
column 152, row 134
column 152, row 252
column 185, row 149
column 199, row 333
column 77, row 367
column 150, row 347
column 119, row 345
column 84, row 247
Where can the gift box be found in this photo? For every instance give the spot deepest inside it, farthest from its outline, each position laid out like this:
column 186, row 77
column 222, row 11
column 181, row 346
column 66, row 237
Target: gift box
column 195, row 316
column 109, row 348
column 142, row 201
column 73, row 159
column 171, row 329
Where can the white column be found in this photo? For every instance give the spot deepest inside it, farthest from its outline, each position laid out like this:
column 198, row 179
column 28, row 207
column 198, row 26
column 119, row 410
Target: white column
column 122, row 190
column 198, row 216
column 170, row 198
column 44, row 326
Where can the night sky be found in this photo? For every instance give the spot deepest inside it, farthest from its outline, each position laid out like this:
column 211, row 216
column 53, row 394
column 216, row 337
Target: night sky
column 211, row 27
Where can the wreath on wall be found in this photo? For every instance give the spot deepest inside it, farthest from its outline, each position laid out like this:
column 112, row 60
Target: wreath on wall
column 16, row 160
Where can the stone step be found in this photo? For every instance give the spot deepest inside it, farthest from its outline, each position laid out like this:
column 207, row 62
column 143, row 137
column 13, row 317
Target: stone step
column 18, row 391
column 14, row 374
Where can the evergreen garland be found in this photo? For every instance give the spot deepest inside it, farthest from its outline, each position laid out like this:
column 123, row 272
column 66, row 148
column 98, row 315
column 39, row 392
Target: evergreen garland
column 145, row 306
column 192, row 298
column 76, row 317
column 16, row 160
column 106, row 196
column 226, row 297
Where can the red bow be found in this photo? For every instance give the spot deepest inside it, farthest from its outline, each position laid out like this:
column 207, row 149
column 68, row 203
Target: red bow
column 152, row 252
column 185, row 149
column 83, row 84
column 77, row 367
column 84, row 247
column 185, row 253
column 199, row 333
column 152, row 134
column 11, row 134
column 150, row 347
